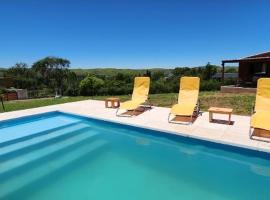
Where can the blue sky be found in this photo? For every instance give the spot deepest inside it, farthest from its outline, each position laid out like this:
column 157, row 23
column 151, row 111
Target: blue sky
column 133, row 33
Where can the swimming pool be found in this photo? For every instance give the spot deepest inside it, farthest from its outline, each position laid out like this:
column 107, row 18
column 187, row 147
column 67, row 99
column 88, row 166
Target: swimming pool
column 62, row 156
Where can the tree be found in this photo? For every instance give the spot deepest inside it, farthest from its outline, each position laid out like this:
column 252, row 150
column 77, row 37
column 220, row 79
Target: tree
column 147, row 73
column 209, row 71
column 18, row 69
column 90, row 85
column 180, row 71
column 157, row 75
column 23, row 76
column 71, row 84
column 53, row 71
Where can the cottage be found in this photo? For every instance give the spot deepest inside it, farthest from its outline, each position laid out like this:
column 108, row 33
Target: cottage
column 250, row 69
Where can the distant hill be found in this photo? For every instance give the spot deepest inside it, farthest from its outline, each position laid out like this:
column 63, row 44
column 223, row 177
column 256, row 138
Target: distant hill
column 114, row 71
column 108, row 71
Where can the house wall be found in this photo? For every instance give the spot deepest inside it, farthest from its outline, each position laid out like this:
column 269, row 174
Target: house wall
column 267, row 69
column 244, row 72
column 248, row 70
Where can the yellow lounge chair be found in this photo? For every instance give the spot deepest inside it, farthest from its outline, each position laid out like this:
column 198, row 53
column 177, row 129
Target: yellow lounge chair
column 188, row 104
column 139, row 96
column 260, row 119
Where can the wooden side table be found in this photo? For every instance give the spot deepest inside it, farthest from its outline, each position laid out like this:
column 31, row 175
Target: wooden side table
column 113, row 101
column 217, row 110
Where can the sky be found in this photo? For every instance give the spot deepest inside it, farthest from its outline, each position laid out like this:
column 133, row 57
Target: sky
column 133, row 33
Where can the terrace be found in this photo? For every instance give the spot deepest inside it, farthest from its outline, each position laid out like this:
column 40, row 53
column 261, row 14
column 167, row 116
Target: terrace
column 236, row 134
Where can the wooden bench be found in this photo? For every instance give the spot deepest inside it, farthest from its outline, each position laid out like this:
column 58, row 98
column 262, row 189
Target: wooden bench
column 218, row 110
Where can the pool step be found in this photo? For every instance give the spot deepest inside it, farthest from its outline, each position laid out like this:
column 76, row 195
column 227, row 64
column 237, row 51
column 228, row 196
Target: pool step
column 8, row 140
column 17, row 182
column 17, row 162
column 42, row 139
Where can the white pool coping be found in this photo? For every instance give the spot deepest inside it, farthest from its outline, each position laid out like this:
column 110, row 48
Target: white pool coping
column 156, row 119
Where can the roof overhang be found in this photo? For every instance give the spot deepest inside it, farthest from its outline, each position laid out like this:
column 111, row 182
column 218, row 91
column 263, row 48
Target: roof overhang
column 256, row 59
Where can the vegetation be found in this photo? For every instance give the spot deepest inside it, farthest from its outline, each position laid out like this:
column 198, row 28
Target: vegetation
column 90, row 85
column 114, row 71
column 49, row 74
column 34, row 103
column 52, row 72
column 241, row 103
column 52, row 75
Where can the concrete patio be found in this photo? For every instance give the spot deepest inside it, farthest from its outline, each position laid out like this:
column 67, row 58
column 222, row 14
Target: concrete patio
column 236, row 134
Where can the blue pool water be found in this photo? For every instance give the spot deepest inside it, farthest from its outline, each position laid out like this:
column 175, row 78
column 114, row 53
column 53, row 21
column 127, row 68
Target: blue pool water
column 62, row 156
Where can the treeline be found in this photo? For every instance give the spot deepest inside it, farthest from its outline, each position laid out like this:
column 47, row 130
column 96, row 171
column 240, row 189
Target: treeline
column 52, row 75
column 48, row 76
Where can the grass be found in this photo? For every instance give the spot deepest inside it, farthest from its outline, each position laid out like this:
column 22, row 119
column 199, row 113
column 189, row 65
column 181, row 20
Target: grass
column 241, row 103
column 33, row 103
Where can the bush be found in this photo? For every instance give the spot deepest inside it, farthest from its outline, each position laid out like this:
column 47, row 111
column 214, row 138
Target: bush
column 160, row 86
column 2, row 90
column 72, row 91
column 90, row 85
column 230, row 81
column 210, row 85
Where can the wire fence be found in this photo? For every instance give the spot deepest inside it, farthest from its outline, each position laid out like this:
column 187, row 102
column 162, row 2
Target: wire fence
column 46, row 92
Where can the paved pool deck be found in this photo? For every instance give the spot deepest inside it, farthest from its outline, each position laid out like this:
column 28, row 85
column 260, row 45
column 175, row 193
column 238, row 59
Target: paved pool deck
column 156, row 118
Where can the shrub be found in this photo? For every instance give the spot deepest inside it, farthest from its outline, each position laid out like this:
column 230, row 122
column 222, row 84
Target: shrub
column 2, row 90
column 160, row 86
column 210, row 85
column 72, row 91
column 90, row 85
column 230, row 81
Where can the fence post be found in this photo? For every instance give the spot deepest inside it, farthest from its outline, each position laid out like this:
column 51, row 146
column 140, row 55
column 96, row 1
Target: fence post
column 2, row 103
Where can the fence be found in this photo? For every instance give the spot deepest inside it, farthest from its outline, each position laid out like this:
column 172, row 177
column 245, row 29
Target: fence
column 46, row 92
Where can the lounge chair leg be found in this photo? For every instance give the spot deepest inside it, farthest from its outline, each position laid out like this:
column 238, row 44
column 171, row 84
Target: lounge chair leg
column 117, row 112
column 257, row 138
column 250, row 133
column 191, row 119
column 120, row 115
column 133, row 113
column 169, row 118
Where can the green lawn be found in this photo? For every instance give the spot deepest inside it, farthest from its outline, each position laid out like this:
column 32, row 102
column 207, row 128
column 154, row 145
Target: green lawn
column 33, row 103
column 241, row 103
